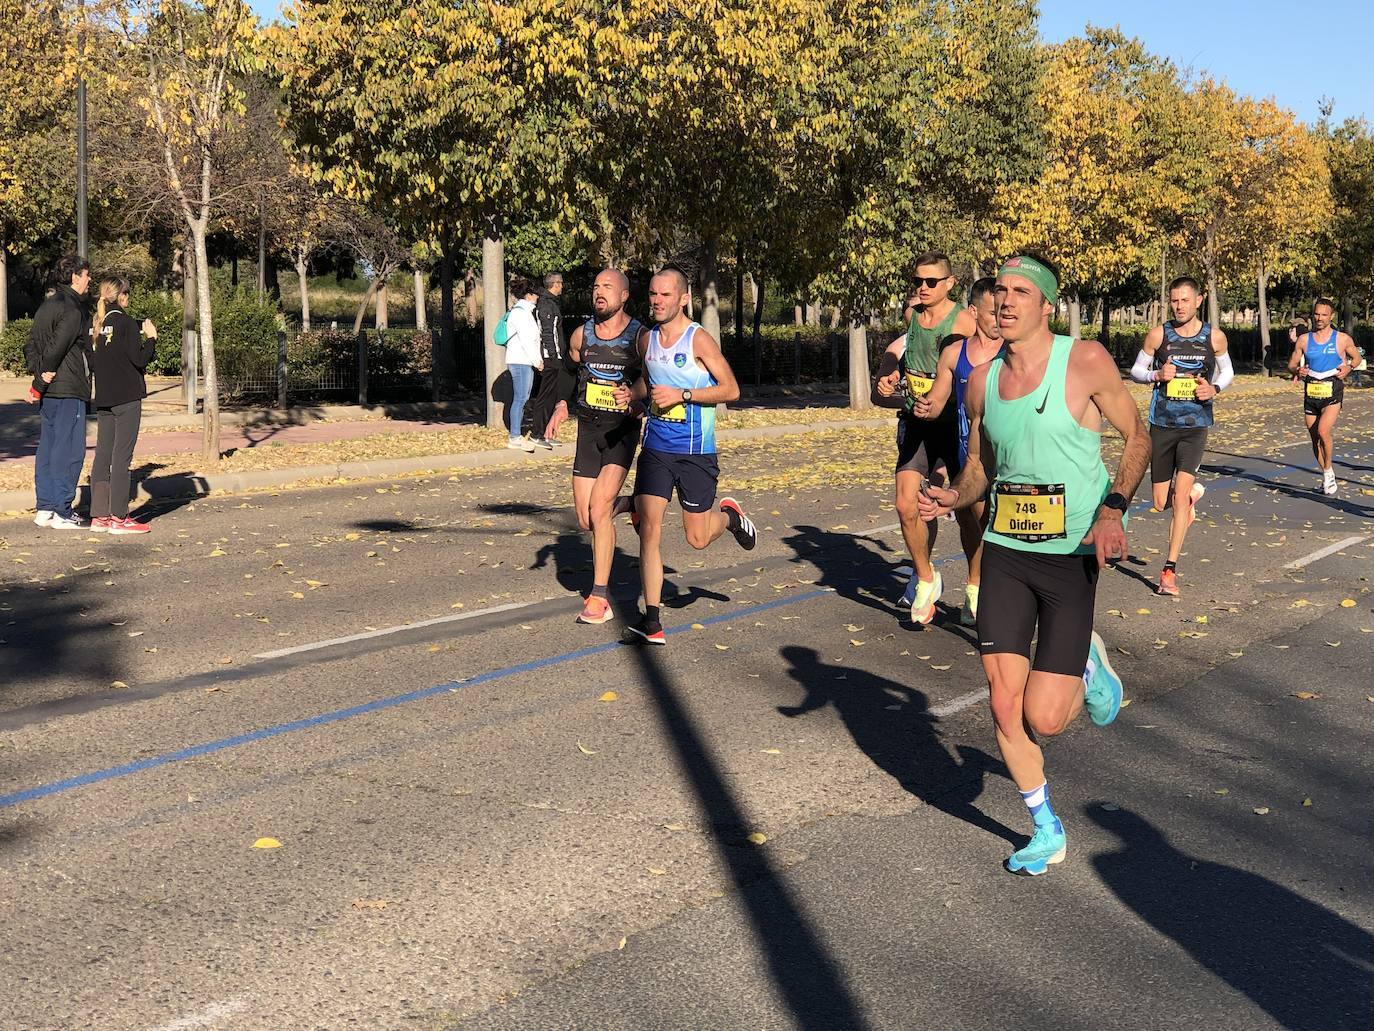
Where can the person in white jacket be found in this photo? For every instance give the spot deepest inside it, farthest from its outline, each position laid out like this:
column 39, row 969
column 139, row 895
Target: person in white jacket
column 522, row 358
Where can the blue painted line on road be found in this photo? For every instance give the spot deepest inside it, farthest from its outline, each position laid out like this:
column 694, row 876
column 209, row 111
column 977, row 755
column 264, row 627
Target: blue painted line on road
column 325, row 718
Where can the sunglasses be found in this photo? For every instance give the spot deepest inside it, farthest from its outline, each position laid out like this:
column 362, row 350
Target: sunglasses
column 931, row 282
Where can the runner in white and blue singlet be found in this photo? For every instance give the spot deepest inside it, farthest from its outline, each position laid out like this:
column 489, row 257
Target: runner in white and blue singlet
column 1321, row 361
column 685, row 377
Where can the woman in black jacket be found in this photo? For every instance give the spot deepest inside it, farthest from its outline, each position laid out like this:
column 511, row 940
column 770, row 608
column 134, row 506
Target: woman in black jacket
column 122, row 352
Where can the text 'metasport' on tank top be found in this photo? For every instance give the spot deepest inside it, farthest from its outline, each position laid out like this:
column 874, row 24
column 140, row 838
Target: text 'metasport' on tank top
column 1174, row 403
column 682, row 429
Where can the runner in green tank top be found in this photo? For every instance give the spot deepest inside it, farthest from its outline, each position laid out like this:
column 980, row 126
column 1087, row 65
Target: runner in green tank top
column 1034, row 451
column 907, row 371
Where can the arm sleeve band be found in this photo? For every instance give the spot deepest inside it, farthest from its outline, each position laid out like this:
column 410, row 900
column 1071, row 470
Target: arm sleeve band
column 1143, row 369
column 1223, row 373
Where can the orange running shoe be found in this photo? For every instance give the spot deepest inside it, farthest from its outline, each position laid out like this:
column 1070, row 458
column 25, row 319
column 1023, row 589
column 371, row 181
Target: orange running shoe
column 1168, row 583
column 596, row 611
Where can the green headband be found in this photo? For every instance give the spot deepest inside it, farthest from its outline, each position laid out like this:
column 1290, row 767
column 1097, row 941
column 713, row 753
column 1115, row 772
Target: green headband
column 1030, row 269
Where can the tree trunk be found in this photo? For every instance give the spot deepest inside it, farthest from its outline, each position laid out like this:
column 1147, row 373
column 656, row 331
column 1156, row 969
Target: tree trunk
column 303, row 277
column 189, row 308
column 472, row 296
column 797, row 313
column 1164, row 278
column 1105, row 340
column 445, row 354
column 1347, row 313
column 813, row 315
column 1213, row 302
column 860, row 390
column 421, row 315
column 372, row 285
column 834, row 318
column 1262, row 292
column 758, row 323
column 1075, row 308
column 739, row 298
column 383, row 296
column 262, row 249
column 209, row 443
column 493, row 307
column 710, row 292
column 4, row 287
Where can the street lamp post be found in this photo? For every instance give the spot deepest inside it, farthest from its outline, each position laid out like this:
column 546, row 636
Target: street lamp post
column 81, row 241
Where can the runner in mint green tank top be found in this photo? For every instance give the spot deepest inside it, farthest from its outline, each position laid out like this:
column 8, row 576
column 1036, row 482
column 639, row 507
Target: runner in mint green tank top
column 1035, row 439
column 1056, row 519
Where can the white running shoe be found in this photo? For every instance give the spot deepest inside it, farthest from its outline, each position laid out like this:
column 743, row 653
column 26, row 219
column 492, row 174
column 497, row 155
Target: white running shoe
column 1329, row 481
column 520, row 444
column 43, row 517
column 59, row 522
column 927, row 594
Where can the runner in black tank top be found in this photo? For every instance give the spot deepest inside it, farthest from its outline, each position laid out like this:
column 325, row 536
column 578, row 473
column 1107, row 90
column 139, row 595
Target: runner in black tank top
column 1186, row 360
column 602, row 365
column 907, row 370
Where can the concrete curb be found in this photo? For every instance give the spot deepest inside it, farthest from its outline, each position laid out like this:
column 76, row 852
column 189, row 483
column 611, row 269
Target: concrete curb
column 195, row 485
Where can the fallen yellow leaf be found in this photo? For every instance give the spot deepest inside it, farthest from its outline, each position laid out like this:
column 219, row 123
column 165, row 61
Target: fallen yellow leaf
column 757, row 839
column 585, row 750
column 1142, row 612
column 1306, row 696
column 369, row 903
column 772, row 751
column 1348, row 603
column 118, row 684
column 1261, row 810
column 609, row 696
column 267, row 843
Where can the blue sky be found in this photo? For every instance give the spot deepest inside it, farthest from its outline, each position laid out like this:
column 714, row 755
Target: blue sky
column 1294, row 52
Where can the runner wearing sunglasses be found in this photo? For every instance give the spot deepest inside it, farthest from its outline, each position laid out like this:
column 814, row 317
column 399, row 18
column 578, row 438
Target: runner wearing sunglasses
column 906, row 373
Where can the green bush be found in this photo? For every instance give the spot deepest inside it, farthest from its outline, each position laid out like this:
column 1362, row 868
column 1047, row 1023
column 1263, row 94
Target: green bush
column 245, row 331
column 12, row 346
column 165, row 311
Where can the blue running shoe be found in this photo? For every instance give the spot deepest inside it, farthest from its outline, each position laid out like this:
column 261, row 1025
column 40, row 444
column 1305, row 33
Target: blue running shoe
column 1046, row 847
column 1102, row 687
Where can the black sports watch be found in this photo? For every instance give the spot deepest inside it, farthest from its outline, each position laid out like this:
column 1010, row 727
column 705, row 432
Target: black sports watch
column 1116, row 501
column 686, row 397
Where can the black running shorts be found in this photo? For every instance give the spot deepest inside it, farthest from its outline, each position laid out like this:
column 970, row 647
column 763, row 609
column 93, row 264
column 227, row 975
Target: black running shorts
column 1314, row 397
column 694, row 476
column 1176, row 449
column 922, row 444
column 1025, row 591
column 600, row 446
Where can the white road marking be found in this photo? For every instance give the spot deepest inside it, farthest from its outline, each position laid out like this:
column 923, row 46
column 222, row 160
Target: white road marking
column 370, row 634
column 1321, row 553
column 880, row 529
column 208, row 1017
column 964, row 701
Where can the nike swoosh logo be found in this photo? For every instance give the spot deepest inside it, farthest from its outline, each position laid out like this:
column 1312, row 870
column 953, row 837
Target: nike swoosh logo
column 1043, row 401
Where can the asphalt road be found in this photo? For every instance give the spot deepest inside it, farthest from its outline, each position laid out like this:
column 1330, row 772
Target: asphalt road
column 386, row 679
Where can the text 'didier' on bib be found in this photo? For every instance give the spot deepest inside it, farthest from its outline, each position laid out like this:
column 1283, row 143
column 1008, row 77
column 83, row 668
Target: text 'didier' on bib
column 1029, row 512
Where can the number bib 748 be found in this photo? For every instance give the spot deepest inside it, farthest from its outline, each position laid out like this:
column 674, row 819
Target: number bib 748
column 1029, row 512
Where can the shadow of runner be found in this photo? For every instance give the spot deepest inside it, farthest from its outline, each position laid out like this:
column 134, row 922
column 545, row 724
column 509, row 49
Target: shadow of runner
column 905, row 744
column 1307, row 967
column 806, row 977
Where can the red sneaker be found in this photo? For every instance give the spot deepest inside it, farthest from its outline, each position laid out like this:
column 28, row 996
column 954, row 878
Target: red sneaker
column 596, row 611
column 1168, row 583
column 102, row 524
column 127, row 525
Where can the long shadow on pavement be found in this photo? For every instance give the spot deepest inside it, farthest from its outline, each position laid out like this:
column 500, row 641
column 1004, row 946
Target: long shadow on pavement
column 905, row 743
column 809, row 981
column 1307, row 967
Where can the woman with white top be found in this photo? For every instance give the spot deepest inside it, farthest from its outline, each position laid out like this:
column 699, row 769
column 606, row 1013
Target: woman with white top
column 522, row 358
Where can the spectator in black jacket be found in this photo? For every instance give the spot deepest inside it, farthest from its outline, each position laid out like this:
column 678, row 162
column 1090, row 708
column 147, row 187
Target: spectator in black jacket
column 123, row 350
column 59, row 357
column 549, row 313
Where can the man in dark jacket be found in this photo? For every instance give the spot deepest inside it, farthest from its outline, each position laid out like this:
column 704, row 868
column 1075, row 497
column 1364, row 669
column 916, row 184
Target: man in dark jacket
column 549, row 313
column 60, row 351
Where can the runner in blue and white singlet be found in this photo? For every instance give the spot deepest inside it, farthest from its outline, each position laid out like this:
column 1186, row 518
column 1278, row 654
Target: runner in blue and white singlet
column 683, row 429
column 685, row 377
column 1321, row 361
